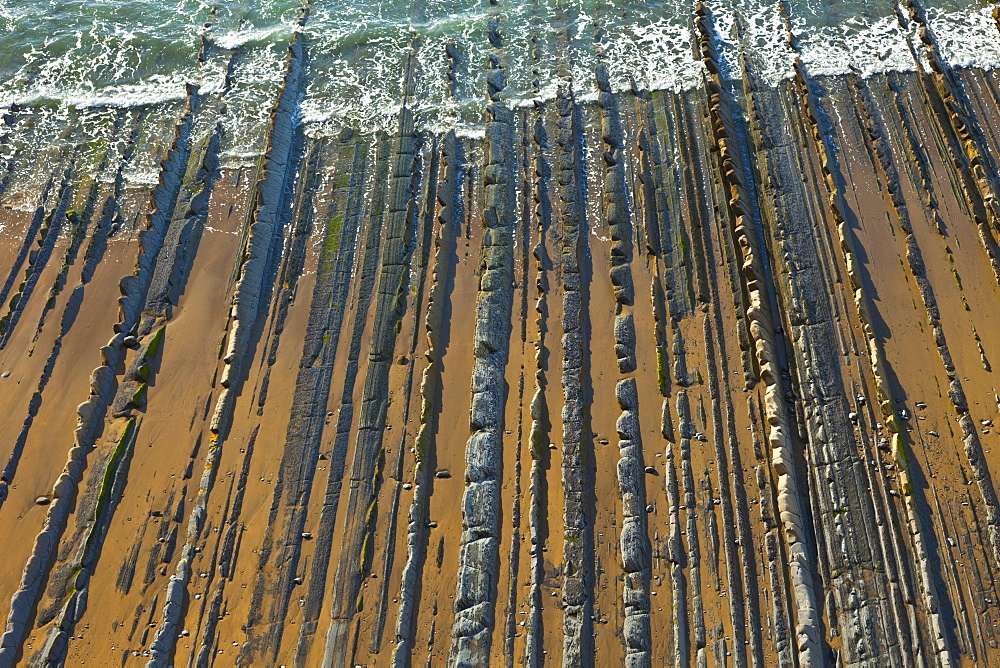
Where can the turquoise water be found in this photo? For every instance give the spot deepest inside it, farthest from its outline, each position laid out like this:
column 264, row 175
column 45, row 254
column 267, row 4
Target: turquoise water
column 87, row 54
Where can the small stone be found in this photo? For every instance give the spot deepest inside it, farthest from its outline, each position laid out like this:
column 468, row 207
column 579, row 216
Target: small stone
column 130, row 341
column 649, row 509
column 306, row 535
column 5, row 374
column 443, row 473
column 185, row 633
column 853, row 417
column 407, row 486
column 43, row 501
column 650, row 469
column 552, row 446
column 933, row 433
column 603, row 441
column 432, row 525
column 297, row 581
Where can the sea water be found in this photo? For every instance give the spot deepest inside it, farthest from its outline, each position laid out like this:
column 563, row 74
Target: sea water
column 89, row 54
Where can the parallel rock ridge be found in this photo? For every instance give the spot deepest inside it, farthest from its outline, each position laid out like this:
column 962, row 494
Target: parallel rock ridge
column 645, row 377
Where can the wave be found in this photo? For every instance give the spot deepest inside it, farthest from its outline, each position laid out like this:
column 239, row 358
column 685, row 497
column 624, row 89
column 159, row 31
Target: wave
column 233, row 40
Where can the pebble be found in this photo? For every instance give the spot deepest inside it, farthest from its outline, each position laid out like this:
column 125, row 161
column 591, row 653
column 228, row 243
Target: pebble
column 407, row 485
column 442, row 474
column 43, row 501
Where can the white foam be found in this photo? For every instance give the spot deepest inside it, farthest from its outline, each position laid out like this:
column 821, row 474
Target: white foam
column 764, row 40
column 879, row 47
column 658, row 55
column 966, row 38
